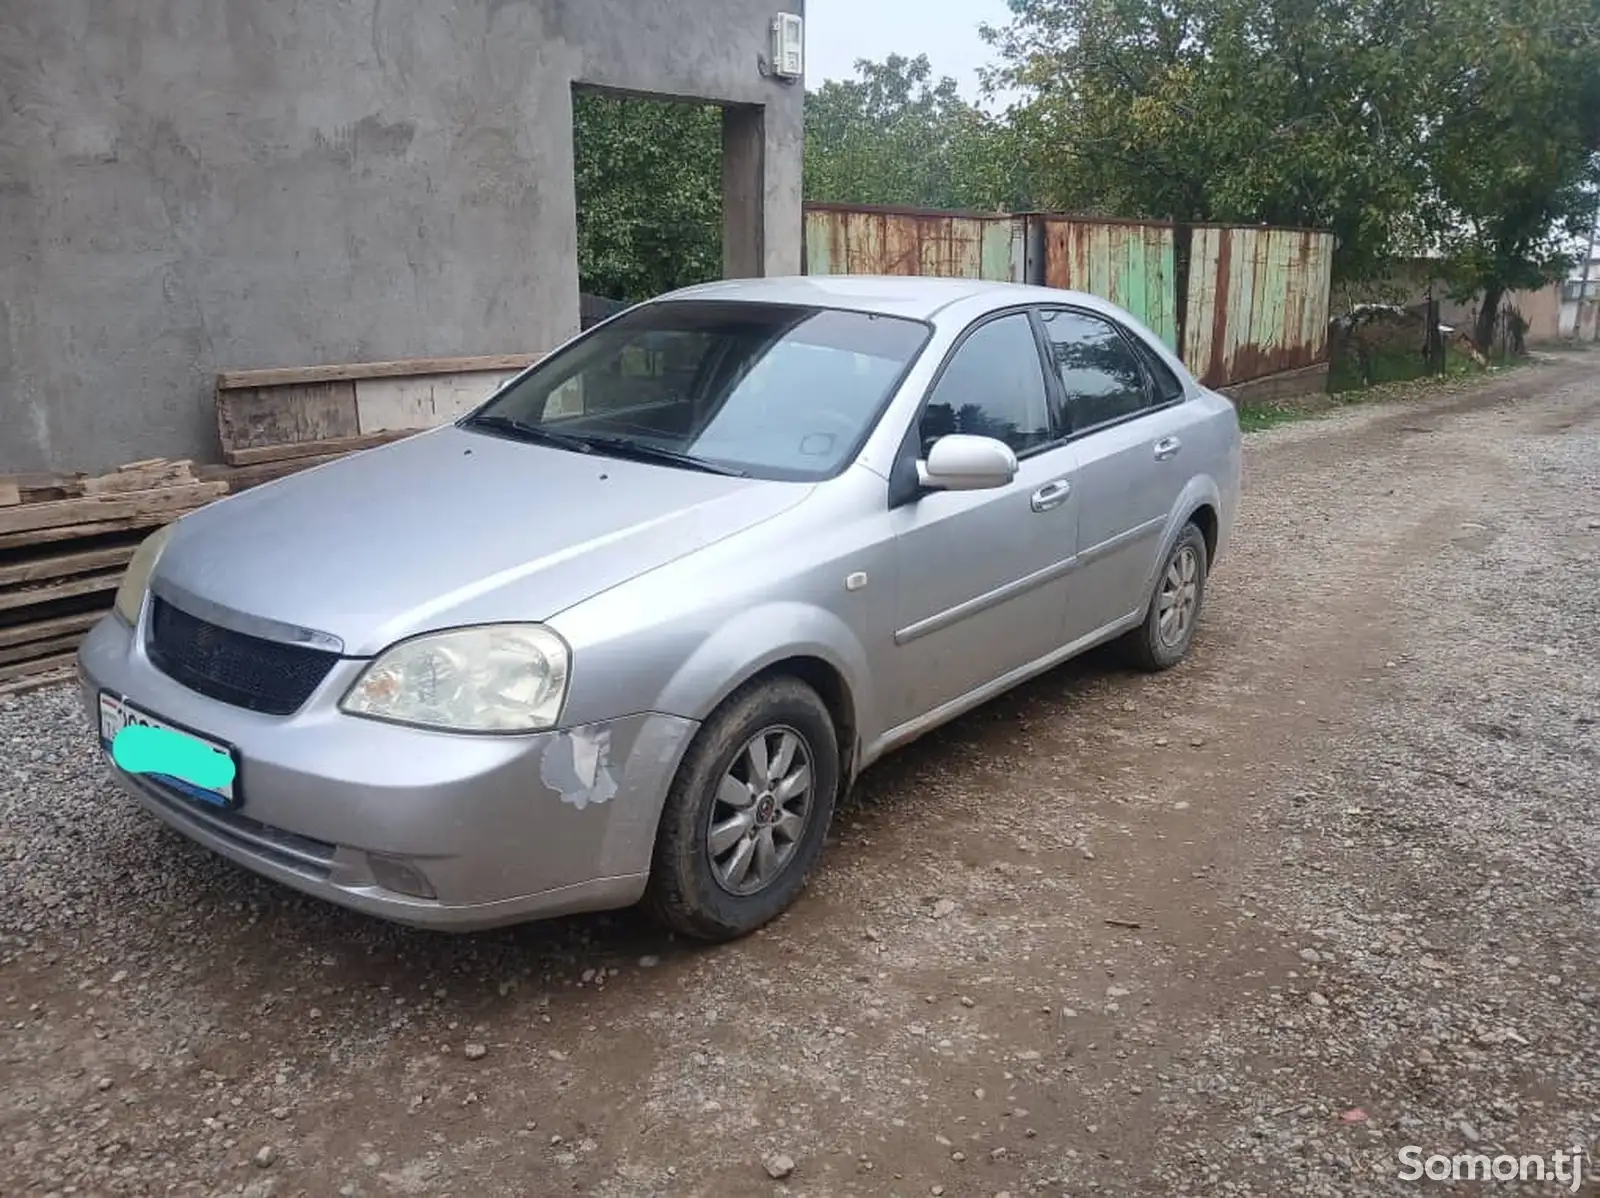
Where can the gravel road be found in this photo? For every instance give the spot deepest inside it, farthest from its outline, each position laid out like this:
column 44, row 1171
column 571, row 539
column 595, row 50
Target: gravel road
column 1247, row 928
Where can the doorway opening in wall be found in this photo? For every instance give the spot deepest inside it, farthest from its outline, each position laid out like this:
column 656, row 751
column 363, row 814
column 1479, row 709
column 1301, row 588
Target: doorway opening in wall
column 649, row 177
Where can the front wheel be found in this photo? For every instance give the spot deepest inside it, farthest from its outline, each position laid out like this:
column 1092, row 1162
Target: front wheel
column 1163, row 640
column 747, row 813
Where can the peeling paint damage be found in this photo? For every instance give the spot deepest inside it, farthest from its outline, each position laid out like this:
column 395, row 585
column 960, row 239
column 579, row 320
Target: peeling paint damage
column 578, row 765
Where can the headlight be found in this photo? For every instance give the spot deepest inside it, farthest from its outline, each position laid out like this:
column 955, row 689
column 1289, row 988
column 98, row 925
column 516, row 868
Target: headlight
column 492, row 678
column 136, row 580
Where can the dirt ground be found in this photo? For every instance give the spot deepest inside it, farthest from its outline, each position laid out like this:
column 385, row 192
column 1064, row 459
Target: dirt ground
column 1250, row 927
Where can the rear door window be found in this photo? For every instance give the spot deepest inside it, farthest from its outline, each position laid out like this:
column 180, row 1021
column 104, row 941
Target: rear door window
column 1101, row 378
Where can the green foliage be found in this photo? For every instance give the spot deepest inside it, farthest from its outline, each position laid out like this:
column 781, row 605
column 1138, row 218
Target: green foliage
column 649, row 185
column 895, row 135
column 1243, row 111
column 1255, row 418
column 649, row 173
column 1471, row 127
column 1391, row 363
column 1512, row 97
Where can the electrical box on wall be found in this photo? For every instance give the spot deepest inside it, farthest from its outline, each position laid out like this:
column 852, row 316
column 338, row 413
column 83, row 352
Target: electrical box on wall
column 788, row 46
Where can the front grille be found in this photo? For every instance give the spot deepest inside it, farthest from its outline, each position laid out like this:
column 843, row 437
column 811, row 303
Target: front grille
column 233, row 667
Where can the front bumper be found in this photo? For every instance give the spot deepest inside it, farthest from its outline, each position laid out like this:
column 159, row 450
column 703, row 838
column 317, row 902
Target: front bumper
column 481, row 830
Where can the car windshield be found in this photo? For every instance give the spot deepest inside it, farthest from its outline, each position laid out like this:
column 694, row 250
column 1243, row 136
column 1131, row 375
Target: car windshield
column 766, row 390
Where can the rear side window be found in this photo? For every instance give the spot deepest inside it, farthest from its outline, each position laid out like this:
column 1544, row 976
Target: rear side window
column 1163, row 382
column 1101, row 379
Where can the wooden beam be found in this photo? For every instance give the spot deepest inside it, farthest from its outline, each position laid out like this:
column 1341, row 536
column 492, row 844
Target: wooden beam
column 418, row 401
column 37, row 649
column 59, row 676
column 27, row 517
column 286, row 415
column 86, row 585
column 64, row 565
column 330, row 446
column 136, row 476
column 35, row 488
column 242, row 478
column 43, row 630
column 232, row 380
column 29, row 674
column 144, row 476
column 94, row 528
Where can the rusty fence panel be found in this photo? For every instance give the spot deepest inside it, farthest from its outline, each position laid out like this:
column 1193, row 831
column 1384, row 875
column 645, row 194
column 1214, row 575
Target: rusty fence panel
column 1252, row 301
column 853, row 240
column 1130, row 263
column 1257, row 302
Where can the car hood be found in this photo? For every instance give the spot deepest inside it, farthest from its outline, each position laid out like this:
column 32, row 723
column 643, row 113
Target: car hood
column 446, row 528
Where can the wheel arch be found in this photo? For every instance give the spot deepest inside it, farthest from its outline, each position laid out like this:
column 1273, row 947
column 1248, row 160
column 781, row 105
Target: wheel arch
column 1205, row 518
column 773, row 640
column 1200, row 503
column 834, row 691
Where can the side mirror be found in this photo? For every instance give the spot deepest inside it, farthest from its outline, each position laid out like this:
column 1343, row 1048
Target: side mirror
column 959, row 462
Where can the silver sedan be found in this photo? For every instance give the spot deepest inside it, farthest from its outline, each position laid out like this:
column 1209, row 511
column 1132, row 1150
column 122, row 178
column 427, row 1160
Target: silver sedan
column 631, row 628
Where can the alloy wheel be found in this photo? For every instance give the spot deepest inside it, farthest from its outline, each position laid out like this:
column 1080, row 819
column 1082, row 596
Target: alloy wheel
column 760, row 811
column 1178, row 598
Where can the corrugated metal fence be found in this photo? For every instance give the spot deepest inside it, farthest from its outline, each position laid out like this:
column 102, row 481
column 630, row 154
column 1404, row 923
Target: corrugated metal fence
column 1258, row 302
column 1132, row 264
column 892, row 241
column 1237, row 303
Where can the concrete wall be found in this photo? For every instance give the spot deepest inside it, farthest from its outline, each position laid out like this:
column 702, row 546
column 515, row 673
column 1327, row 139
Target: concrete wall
column 1273, row 388
column 1584, row 325
column 1541, row 309
column 1407, row 283
column 188, row 186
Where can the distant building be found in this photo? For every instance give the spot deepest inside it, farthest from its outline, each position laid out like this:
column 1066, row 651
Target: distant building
column 1580, row 306
column 1550, row 314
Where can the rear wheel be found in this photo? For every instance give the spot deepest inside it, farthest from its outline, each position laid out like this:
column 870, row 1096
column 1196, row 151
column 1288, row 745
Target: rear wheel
column 1163, row 640
column 747, row 813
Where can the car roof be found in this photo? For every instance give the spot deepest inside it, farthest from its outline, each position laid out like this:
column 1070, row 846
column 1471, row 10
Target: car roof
column 917, row 297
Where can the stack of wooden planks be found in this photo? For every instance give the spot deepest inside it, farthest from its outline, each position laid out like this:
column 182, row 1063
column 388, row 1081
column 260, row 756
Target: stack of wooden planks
column 65, row 541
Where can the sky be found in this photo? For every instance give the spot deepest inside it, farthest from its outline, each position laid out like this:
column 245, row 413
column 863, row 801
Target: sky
column 840, row 31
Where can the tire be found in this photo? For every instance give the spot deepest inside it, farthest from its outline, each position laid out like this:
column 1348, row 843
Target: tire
column 1148, row 647
column 689, row 889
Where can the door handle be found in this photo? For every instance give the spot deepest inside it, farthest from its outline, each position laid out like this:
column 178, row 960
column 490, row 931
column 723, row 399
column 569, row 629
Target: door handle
column 1053, row 494
column 1167, row 448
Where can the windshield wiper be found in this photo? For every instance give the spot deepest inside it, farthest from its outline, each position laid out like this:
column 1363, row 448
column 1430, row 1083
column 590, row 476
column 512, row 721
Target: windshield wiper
column 524, row 431
column 578, row 443
column 646, row 452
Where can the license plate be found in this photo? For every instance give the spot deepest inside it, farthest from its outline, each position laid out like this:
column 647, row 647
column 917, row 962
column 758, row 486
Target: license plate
column 116, row 713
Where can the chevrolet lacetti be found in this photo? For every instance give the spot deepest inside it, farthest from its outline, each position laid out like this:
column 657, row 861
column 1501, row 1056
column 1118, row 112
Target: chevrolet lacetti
column 629, row 629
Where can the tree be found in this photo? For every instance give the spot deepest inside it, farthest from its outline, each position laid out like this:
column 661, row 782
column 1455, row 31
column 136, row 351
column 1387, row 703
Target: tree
column 1512, row 97
column 649, row 183
column 1468, row 126
column 649, row 173
column 1287, row 112
column 895, row 135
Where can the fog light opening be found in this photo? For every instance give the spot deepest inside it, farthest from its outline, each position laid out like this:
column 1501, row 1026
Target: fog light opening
column 400, row 876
